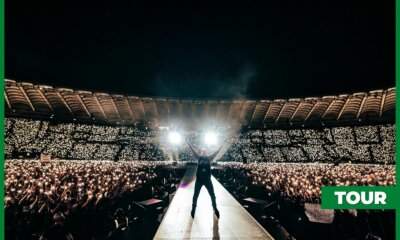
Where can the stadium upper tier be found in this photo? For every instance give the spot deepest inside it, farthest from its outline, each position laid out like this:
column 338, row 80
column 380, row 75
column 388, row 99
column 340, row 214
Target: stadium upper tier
column 27, row 99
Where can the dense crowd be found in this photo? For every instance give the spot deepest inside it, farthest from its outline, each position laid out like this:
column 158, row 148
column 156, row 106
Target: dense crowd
column 29, row 138
column 286, row 188
column 77, row 199
column 302, row 182
column 358, row 144
column 285, row 197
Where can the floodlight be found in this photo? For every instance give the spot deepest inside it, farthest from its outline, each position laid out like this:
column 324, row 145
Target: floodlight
column 210, row 138
column 174, row 138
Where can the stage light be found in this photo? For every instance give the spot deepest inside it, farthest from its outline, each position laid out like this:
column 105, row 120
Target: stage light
column 174, row 138
column 210, row 138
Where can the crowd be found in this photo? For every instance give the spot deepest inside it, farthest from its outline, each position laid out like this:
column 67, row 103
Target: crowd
column 77, row 199
column 302, row 182
column 285, row 198
column 74, row 198
column 28, row 139
column 358, row 144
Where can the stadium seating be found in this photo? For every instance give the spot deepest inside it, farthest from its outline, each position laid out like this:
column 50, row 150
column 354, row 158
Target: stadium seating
column 107, row 158
column 359, row 144
column 30, row 100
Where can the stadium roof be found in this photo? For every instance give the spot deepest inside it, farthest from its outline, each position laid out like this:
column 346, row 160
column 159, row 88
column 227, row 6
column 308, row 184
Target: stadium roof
column 28, row 100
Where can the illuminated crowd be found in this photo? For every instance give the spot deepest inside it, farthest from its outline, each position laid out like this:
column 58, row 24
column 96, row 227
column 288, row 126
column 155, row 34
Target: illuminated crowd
column 29, row 138
column 358, row 144
column 80, row 195
column 302, row 182
column 40, row 196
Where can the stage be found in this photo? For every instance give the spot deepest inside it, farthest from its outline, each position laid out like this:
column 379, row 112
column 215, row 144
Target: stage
column 234, row 223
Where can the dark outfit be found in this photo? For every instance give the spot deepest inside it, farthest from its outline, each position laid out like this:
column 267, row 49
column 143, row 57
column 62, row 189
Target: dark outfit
column 203, row 177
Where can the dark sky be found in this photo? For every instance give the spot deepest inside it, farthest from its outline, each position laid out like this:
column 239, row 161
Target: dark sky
column 262, row 49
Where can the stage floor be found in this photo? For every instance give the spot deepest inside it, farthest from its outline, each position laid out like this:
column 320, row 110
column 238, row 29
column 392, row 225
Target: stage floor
column 234, row 223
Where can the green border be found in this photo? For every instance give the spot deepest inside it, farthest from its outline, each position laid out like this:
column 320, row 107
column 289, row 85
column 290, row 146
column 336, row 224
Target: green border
column 397, row 75
column 2, row 17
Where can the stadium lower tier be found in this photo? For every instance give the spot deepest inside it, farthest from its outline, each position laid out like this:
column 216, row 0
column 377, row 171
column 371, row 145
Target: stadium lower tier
column 357, row 144
column 301, row 182
column 126, row 200
column 284, row 199
column 86, row 199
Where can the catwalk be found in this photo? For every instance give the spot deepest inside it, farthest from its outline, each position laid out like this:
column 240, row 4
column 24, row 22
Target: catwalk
column 235, row 222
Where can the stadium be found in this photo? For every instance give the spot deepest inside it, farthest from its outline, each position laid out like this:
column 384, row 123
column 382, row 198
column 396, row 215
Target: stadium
column 117, row 161
column 158, row 120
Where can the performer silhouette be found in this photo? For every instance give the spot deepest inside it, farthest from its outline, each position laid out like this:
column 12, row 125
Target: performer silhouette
column 203, row 178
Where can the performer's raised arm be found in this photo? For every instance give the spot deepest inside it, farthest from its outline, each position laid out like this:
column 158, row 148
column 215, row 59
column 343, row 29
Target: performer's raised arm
column 212, row 156
column 192, row 149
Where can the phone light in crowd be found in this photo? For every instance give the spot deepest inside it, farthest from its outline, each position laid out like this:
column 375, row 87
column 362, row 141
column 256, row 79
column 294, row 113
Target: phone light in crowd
column 174, row 138
column 210, row 138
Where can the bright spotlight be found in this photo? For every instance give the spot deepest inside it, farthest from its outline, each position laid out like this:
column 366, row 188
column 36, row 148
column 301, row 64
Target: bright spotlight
column 210, row 138
column 174, row 138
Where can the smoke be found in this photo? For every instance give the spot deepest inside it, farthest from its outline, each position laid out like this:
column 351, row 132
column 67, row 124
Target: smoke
column 220, row 83
column 229, row 82
column 236, row 86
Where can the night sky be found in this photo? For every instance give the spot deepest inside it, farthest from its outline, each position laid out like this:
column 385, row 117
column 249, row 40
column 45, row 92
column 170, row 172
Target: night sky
column 262, row 49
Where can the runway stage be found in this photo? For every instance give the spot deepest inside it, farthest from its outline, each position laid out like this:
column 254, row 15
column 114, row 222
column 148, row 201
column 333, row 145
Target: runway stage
column 235, row 222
